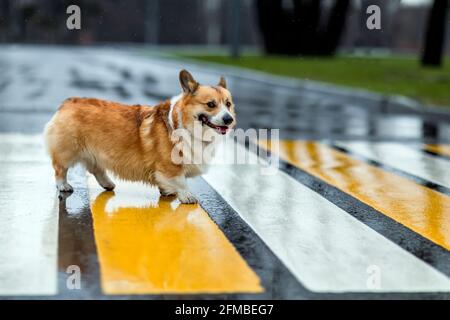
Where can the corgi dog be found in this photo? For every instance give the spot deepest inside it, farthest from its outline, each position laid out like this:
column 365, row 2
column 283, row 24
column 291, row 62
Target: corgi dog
column 135, row 142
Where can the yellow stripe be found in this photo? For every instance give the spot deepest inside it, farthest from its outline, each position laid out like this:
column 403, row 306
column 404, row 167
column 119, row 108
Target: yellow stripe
column 442, row 149
column 423, row 210
column 158, row 248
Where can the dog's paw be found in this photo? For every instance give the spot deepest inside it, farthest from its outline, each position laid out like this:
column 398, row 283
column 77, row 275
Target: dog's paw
column 165, row 193
column 64, row 187
column 186, row 197
column 108, row 186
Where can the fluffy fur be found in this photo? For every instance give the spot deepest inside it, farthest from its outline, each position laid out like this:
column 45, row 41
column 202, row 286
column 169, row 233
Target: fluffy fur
column 134, row 142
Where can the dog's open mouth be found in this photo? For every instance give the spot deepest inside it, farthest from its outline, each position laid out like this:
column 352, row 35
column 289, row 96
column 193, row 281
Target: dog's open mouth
column 220, row 129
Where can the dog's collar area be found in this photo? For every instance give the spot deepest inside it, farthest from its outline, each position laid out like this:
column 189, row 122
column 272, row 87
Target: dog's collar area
column 205, row 120
column 173, row 102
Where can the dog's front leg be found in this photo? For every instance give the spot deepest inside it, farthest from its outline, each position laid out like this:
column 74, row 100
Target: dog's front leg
column 175, row 185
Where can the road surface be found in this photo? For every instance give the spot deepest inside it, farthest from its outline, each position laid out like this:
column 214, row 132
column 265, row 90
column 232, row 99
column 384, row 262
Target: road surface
column 359, row 206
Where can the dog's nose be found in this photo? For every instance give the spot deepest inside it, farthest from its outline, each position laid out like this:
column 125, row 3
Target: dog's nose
column 227, row 119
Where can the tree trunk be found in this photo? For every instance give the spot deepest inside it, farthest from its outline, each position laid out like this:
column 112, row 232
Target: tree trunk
column 434, row 40
column 270, row 16
column 280, row 28
column 307, row 17
column 335, row 27
column 295, row 31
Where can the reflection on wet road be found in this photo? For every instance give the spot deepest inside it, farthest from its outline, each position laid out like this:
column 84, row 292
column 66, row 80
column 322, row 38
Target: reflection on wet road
column 421, row 209
column 28, row 211
column 146, row 246
column 358, row 190
column 325, row 248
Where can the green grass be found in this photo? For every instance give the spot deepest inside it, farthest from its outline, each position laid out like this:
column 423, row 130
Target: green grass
column 394, row 75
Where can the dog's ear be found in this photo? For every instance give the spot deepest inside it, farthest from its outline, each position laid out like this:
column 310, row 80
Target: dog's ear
column 222, row 82
column 188, row 82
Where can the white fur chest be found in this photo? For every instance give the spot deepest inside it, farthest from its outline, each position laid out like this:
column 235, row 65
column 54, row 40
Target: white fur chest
column 202, row 154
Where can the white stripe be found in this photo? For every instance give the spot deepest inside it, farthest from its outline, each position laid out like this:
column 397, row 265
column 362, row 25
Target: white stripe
column 326, row 248
column 404, row 158
column 28, row 218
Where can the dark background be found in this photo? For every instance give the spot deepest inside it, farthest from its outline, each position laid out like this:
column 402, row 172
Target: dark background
column 200, row 22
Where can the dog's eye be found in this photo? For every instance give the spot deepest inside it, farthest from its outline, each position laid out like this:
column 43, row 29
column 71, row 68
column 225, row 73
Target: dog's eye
column 211, row 104
column 228, row 104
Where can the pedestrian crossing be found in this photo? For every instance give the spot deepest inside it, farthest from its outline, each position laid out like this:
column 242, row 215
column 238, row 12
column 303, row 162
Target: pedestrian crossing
column 403, row 158
column 440, row 150
column 419, row 208
column 324, row 247
column 336, row 218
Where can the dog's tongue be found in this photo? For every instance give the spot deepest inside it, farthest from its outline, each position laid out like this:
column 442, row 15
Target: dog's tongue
column 222, row 130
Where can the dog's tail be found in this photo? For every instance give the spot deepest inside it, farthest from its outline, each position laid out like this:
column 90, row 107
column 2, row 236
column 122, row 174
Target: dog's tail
column 47, row 134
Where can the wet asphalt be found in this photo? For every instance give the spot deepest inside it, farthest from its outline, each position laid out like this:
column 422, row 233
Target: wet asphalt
column 35, row 80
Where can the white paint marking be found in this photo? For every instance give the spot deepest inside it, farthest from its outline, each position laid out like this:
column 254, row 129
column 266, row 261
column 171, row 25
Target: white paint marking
column 28, row 218
column 326, row 248
column 403, row 158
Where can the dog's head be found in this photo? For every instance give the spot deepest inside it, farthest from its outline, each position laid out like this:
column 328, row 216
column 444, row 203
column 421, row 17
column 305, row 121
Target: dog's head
column 211, row 107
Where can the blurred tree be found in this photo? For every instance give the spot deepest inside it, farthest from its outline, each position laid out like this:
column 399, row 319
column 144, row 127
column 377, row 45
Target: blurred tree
column 276, row 27
column 305, row 32
column 293, row 27
column 435, row 34
column 335, row 27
